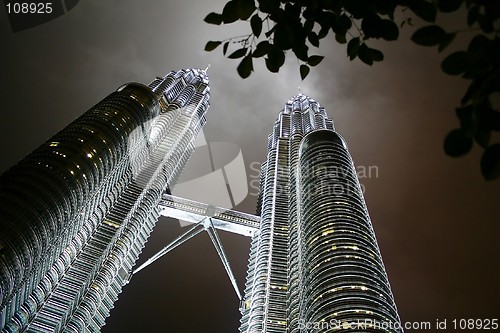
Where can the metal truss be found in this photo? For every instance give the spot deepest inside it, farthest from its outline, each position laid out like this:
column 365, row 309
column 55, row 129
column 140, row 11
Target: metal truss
column 205, row 218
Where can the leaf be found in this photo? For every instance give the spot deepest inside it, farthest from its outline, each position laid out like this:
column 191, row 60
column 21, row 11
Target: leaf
column 478, row 49
column 492, row 9
column 468, row 119
column 245, row 67
column 483, row 69
column 245, row 8
column 486, row 119
column 489, row 118
column 479, row 55
column 224, row 48
column 447, row 39
column 292, row 10
column 308, row 26
column 270, row 31
column 340, row 28
column 304, row 71
column 457, row 143
column 472, row 15
column 352, row 48
column 455, row 64
column 372, row 26
column 275, row 58
column 473, row 92
column 301, row 52
column 390, row 30
column 490, row 162
column 494, row 120
column 313, row 38
column 448, row 6
column 212, row 45
column 213, row 18
column 482, row 137
column 230, row 12
column 365, row 55
column 375, row 27
column 344, row 22
column 238, row 53
column 314, row 60
column 256, row 25
column 377, row 55
column 323, row 32
column 283, row 36
column 485, row 23
column 423, row 9
column 324, row 19
column 268, row 6
column 369, row 55
column 261, row 49
column 327, row 4
column 429, row 35
column 340, row 38
column 360, row 8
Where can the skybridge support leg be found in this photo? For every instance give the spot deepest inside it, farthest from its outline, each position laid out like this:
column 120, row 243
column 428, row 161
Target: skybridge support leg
column 193, row 231
column 204, row 224
column 222, row 255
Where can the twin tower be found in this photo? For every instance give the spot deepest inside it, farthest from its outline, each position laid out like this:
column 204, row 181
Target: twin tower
column 77, row 211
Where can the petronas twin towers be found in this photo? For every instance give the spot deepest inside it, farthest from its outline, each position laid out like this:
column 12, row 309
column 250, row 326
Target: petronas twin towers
column 77, row 211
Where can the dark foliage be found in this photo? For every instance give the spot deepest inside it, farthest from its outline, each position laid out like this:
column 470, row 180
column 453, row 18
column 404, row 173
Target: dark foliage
column 282, row 26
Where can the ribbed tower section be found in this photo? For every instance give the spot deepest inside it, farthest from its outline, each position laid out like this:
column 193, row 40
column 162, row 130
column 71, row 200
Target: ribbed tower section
column 314, row 265
column 78, row 210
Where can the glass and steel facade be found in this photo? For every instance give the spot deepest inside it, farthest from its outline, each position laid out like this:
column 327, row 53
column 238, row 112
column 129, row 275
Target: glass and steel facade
column 314, row 264
column 77, row 211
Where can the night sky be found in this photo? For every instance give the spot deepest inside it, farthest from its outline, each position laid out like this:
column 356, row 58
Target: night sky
column 436, row 220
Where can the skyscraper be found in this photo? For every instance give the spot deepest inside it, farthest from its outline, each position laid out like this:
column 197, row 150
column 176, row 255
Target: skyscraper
column 77, row 211
column 314, row 263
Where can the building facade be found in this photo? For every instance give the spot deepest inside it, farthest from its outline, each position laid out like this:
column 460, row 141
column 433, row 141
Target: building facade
column 314, row 264
column 77, row 211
